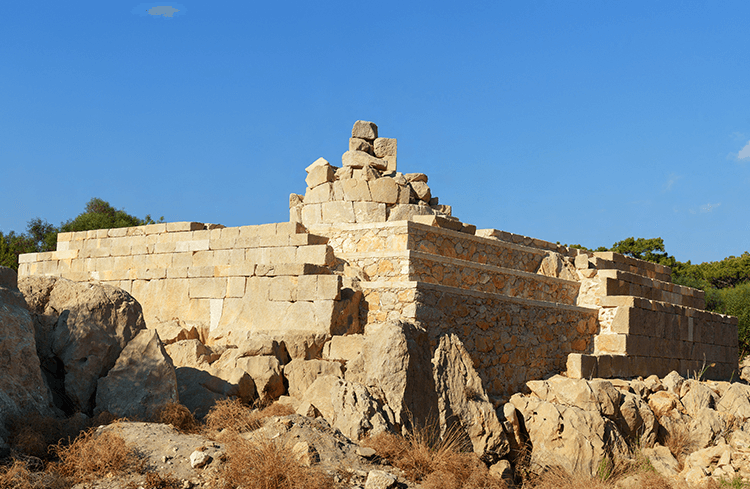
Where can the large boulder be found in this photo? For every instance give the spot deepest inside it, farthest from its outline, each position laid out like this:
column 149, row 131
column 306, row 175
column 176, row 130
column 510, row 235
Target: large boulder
column 22, row 387
column 80, row 330
column 346, row 406
column 567, row 436
column 396, row 366
column 463, row 404
column 142, row 380
column 199, row 390
column 300, row 374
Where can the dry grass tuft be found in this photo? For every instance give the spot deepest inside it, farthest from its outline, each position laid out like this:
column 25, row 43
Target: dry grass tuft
column 95, row 455
column 680, row 442
column 231, row 415
column 177, row 415
column 155, row 481
column 433, row 461
column 639, row 475
column 268, row 464
column 18, row 476
column 276, row 409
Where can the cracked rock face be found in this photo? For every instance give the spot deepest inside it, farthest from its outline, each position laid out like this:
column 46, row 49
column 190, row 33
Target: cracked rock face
column 80, row 330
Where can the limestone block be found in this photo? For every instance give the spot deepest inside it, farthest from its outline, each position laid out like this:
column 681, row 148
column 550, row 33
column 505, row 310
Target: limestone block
column 406, row 211
column 235, row 286
column 360, row 159
column 365, row 130
column 328, row 287
column 283, row 289
column 611, row 343
column 356, row 190
column 384, row 190
column 416, row 177
column 317, row 163
column 201, row 272
column 266, row 373
column 312, row 214
column 344, row 348
column 307, row 286
column 369, row 212
column 338, row 190
column 319, row 175
column 315, row 254
column 283, row 254
column 321, row 193
column 366, row 173
column 421, row 190
column 173, row 227
column 384, row 147
column 391, row 164
column 344, row 172
column 581, row 366
column 190, row 353
column 340, row 211
column 207, row 288
column 301, row 374
column 357, row 144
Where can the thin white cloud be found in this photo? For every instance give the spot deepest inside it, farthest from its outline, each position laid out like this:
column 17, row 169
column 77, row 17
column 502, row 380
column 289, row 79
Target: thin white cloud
column 165, row 10
column 671, row 181
column 705, row 209
column 744, row 152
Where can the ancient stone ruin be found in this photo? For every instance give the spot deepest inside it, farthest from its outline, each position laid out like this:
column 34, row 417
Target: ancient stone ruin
column 367, row 244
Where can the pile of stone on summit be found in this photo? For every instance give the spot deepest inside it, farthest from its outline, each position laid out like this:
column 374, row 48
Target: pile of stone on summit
column 368, row 188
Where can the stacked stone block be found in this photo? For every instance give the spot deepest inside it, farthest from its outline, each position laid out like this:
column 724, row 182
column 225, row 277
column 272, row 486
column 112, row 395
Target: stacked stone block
column 649, row 325
column 366, row 188
column 249, row 278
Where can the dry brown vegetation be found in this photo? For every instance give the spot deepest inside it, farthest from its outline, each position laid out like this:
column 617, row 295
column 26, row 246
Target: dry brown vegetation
column 232, row 416
column 96, row 454
column 434, row 461
column 178, row 416
column 267, row 464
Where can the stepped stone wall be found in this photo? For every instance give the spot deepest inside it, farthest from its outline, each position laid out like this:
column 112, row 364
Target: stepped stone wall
column 367, row 244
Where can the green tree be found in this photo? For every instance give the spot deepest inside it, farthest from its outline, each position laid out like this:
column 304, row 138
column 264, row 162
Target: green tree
column 12, row 245
column 99, row 214
column 649, row 249
column 42, row 236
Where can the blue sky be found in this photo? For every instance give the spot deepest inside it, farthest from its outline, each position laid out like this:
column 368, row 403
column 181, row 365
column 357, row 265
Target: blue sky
column 580, row 122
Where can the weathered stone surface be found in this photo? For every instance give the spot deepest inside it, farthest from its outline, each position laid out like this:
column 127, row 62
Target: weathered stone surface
column 369, row 212
column 366, row 173
column 344, row 348
column 415, row 177
column 380, row 479
column 662, row 460
column 736, row 400
column 305, row 454
column 319, row 175
column 596, row 395
column 142, row 380
column 317, row 163
column 705, row 427
column 695, row 396
column 397, row 362
column 663, row 402
column 199, row 390
column 22, row 387
column 421, row 191
column 81, row 330
column 357, row 144
column 365, row 130
column 360, row 159
column 384, row 190
column 190, row 353
column 339, row 211
column 256, row 344
column 673, row 382
column 384, row 147
column 406, row 211
column 347, row 406
column 356, row 190
column 175, row 330
column 265, row 371
column 300, row 374
column 462, row 402
column 321, row 193
column 568, row 437
column 636, row 420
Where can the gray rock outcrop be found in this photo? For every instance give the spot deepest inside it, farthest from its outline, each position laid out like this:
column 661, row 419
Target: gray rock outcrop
column 80, row 331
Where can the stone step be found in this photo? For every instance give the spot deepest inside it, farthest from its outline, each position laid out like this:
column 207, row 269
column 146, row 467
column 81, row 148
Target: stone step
column 607, row 260
column 453, row 272
column 619, row 283
column 612, row 366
